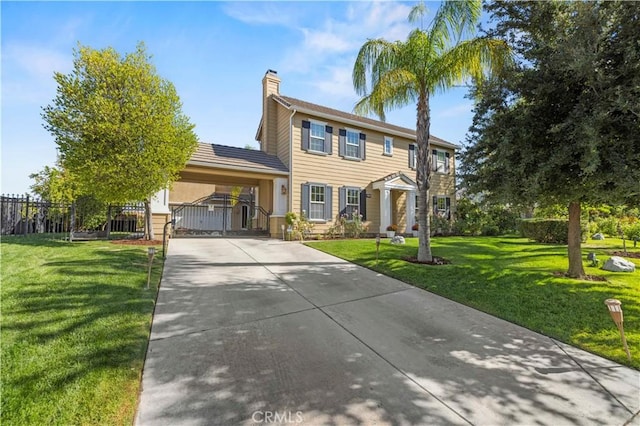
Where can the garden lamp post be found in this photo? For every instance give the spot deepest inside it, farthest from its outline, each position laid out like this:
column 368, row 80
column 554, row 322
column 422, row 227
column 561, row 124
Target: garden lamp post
column 377, row 248
column 615, row 310
column 151, row 252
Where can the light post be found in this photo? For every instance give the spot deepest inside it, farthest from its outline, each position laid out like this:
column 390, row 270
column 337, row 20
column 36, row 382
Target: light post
column 615, row 309
column 377, row 248
column 151, row 252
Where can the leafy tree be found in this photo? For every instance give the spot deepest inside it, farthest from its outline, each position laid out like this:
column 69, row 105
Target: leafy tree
column 561, row 127
column 54, row 184
column 429, row 61
column 119, row 127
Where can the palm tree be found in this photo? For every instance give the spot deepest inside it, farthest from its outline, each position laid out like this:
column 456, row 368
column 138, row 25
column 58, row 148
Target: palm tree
column 430, row 60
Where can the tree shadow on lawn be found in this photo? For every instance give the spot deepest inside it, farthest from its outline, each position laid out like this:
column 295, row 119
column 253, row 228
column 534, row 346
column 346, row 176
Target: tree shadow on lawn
column 88, row 325
column 570, row 310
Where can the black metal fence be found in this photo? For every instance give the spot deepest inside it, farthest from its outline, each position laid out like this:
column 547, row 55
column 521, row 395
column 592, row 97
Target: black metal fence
column 24, row 215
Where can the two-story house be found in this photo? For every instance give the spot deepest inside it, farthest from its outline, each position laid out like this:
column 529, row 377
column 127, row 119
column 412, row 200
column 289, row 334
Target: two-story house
column 318, row 161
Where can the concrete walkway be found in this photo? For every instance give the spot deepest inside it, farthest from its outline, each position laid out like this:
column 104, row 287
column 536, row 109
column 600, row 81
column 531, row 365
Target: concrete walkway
column 250, row 331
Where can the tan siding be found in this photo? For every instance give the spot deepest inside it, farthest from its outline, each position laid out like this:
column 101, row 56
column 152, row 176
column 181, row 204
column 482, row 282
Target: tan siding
column 157, row 222
column 337, row 171
column 187, row 192
column 283, row 134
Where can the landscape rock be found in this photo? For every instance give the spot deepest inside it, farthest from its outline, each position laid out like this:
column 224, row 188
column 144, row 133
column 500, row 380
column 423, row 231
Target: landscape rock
column 398, row 239
column 598, row 236
column 618, row 264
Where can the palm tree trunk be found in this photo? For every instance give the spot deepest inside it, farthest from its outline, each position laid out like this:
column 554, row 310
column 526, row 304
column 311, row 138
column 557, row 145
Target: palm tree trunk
column 423, row 177
column 574, row 240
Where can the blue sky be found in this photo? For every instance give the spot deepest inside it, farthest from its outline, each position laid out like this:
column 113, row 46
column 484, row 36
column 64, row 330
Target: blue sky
column 215, row 53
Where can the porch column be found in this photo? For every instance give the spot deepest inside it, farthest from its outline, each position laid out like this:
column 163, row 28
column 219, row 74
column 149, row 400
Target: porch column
column 280, row 190
column 385, row 209
column 411, row 209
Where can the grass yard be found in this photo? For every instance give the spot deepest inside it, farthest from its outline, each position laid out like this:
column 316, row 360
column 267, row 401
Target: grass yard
column 513, row 279
column 75, row 325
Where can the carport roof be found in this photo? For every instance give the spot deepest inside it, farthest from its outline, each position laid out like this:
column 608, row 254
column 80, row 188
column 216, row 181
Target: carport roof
column 231, row 157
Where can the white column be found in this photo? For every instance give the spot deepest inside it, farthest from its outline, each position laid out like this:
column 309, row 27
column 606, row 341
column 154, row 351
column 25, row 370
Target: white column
column 411, row 209
column 160, row 202
column 385, row 209
column 280, row 191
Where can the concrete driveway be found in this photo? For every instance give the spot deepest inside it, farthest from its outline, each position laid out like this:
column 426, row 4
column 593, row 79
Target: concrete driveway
column 250, row 331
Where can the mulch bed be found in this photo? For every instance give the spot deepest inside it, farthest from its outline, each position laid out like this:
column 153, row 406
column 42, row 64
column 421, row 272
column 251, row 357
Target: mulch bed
column 436, row 260
column 138, row 242
column 635, row 255
column 586, row 278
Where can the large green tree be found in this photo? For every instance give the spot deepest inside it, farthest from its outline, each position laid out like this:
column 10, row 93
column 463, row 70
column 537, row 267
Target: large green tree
column 394, row 74
column 562, row 126
column 119, row 127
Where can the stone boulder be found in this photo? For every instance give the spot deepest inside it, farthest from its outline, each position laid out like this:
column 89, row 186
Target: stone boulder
column 618, row 264
column 598, row 236
column 398, row 239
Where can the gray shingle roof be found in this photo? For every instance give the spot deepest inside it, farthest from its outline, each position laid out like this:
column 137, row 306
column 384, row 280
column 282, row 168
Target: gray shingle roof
column 293, row 103
column 233, row 157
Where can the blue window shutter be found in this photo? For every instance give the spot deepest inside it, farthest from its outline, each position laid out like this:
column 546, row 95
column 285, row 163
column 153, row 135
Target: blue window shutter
column 342, row 141
column 363, row 146
column 342, row 200
column 448, row 201
column 446, row 165
column 306, row 126
column 304, row 205
column 328, row 206
column 363, row 204
column 434, row 156
column 412, row 156
column 328, row 140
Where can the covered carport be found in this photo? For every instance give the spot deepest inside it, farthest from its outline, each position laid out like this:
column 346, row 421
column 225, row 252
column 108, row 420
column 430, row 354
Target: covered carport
column 202, row 203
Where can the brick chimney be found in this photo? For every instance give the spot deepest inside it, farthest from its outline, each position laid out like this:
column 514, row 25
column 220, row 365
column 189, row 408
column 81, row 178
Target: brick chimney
column 270, row 86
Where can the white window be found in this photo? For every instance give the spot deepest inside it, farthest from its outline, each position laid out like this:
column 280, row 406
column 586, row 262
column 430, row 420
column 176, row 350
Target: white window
column 353, row 201
column 353, row 144
column 388, row 145
column 440, row 161
column 316, row 137
column 441, row 205
column 316, row 202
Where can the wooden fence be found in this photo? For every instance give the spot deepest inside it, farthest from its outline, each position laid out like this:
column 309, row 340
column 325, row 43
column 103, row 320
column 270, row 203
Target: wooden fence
column 24, row 215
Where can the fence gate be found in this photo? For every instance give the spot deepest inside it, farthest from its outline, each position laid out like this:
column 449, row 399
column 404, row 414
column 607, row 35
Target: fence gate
column 220, row 215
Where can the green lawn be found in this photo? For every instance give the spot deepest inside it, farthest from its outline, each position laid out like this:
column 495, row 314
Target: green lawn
column 75, row 325
column 513, row 279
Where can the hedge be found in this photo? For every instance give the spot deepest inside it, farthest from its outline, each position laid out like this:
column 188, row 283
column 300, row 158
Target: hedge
column 545, row 230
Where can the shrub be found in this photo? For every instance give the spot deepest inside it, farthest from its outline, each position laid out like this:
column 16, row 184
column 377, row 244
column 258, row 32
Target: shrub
column 554, row 231
column 415, row 227
column 393, row 228
column 503, row 218
column 490, row 230
column 608, row 226
column 632, row 231
column 440, row 225
column 545, row 230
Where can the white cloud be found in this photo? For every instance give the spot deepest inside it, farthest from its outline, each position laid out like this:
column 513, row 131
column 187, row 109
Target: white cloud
column 37, row 61
column 268, row 13
column 29, row 69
